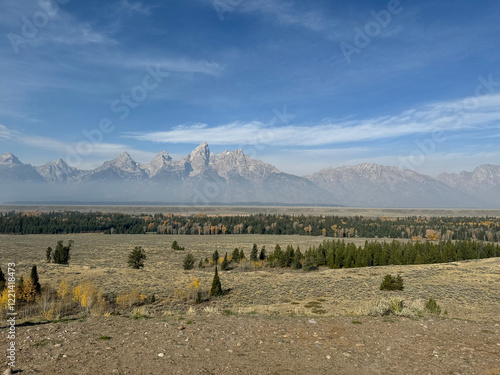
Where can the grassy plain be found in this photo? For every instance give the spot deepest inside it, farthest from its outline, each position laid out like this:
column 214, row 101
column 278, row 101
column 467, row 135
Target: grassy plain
column 467, row 290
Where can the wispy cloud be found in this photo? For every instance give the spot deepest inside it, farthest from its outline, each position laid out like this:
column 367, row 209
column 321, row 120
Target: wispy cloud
column 98, row 154
column 444, row 116
column 135, row 7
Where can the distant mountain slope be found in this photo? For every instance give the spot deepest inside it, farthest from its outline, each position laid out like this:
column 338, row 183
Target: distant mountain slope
column 11, row 169
column 203, row 177
column 374, row 185
column 200, row 177
column 482, row 183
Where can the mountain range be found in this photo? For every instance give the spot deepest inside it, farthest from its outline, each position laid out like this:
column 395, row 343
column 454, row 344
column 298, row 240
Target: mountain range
column 203, row 177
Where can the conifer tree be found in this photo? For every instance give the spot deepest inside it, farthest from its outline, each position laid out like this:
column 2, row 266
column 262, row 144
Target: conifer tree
column 188, row 262
column 3, row 281
column 236, row 255
column 225, row 264
column 48, row 254
column 200, row 264
column 242, row 255
column 254, row 253
column 136, row 258
column 297, row 257
column 309, row 263
column 34, row 279
column 216, row 289
column 262, row 255
column 61, row 253
column 215, row 256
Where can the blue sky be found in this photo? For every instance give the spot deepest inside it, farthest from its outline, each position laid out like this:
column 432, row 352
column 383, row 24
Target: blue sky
column 303, row 85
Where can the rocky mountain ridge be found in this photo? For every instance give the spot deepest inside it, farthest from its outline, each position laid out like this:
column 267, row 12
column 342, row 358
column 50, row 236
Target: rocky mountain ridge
column 203, row 177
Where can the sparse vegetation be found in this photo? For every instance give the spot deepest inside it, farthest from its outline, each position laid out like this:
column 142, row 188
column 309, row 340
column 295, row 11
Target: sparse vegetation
column 392, row 283
column 175, row 246
column 432, row 307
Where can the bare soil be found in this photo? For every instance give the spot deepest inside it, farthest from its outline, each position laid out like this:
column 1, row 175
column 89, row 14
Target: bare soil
column 243, row 344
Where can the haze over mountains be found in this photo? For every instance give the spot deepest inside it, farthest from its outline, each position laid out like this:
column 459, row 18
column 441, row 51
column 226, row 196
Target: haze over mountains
column 203, row 177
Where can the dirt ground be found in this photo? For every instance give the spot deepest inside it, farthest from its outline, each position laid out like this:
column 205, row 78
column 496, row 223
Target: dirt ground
column 214, row 343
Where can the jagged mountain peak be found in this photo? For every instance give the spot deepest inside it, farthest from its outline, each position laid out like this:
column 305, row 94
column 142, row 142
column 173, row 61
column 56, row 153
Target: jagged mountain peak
column 9, row 158
column 200, row 157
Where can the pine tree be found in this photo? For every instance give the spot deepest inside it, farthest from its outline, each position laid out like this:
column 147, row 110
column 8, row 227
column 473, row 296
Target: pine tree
column 34, row 279
column 48, row 254
column 242, row 255
column 262, row 255
column 3, row 281
column 225, row 264
column 296, row 264
column 309, row 263
column 216, row 289
column 188, row 262
column 200, row 264
column 236, row 255
column 215, row 256
column 61, row 253
column 254, row 253
column 136, row 258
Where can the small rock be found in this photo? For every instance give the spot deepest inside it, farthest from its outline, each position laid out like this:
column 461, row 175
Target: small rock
column 346, row 354
column 8, row 371
column 230, row 350
column 312, row 321
column 57, row 345
column 180, row 328
column 328, row 357
column 161, row 354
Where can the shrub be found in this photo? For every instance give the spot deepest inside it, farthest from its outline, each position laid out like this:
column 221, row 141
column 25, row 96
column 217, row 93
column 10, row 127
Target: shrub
column 188, row 262
column 392, row 283
column 131, row 298
column 432, row 306
column 175, row 246
column 136, row 258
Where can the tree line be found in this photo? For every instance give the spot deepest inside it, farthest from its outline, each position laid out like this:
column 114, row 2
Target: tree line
column 416, row 228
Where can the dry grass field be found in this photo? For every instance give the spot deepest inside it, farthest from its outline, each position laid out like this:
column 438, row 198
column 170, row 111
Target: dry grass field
column 468, row 290
column 272, row 321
